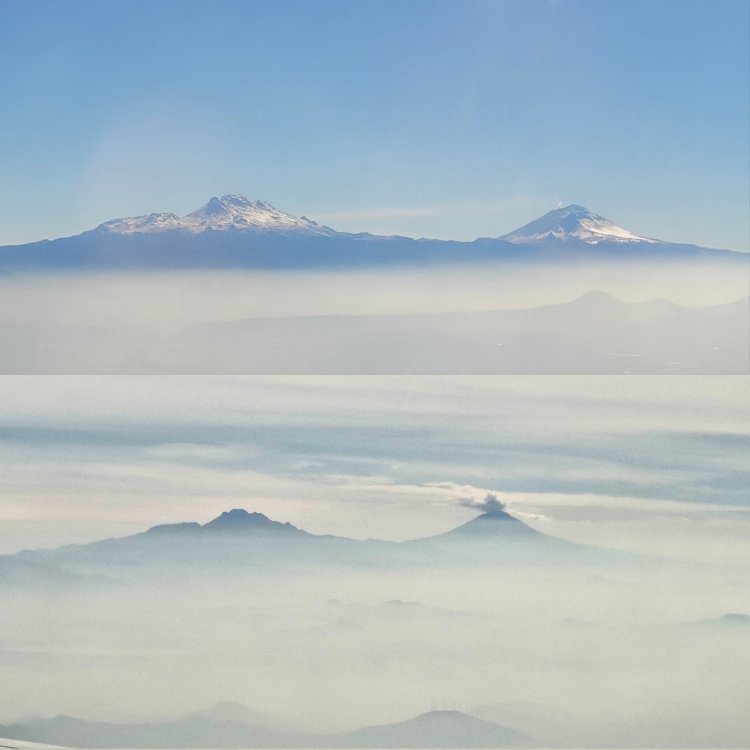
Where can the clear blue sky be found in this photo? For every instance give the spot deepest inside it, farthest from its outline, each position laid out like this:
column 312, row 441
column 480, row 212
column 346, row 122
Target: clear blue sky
column 446, row 118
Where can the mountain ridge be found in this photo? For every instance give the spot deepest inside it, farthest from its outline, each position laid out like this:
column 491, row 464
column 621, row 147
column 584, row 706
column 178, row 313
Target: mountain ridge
column 230, row 212
column 595, row 333
column 235, row 232
column 257, row 543
column 574, row 223
column 433, row 729
column 241, row 520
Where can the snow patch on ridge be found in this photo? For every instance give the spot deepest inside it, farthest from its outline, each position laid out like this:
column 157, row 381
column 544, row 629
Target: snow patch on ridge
column 230, row 212
column 573, row 222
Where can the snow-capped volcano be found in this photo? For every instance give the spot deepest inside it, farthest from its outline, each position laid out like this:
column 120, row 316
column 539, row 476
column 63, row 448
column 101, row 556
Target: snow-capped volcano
column 235, row 232
column 573, row 222
column 235, row 212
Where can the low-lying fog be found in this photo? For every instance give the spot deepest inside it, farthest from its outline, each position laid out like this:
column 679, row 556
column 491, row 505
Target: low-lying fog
column 598, row 657
column 173, row 300
column 637, row 651
column 218, row 322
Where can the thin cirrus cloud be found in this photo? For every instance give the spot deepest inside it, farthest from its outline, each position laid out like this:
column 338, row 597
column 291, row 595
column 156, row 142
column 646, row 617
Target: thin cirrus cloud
column 378, row 213
column 382, row 457
column 495, row 215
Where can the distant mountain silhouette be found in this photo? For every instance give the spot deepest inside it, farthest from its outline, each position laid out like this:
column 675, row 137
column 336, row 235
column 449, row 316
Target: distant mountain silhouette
column 492, row 525
column 27, row 571
column 594, row 334
column 189, row 732
column 735, row 621
column 238, row 541
column 235, row 232
column 233, row 540
column 575, row 223
column 236, row 521
column 437, row 729
column 496, row 536
column 732, row 619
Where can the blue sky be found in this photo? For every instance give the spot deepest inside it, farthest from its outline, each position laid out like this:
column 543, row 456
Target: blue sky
column 446, row 118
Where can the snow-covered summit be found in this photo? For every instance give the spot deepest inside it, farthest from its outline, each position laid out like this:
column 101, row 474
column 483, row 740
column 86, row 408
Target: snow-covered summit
column 137, row 224
column 228, row 212
column 573, row 222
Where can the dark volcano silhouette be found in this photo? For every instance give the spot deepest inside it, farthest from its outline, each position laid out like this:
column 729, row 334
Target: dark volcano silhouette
column 237, row 542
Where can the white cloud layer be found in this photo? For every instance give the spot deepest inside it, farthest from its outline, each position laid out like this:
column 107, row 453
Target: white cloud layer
column 375, row 457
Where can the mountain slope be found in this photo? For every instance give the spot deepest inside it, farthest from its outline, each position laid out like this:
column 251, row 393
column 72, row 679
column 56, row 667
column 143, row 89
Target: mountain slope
column 492, row 525
column 235, row 232
column 574, row 223
column 238, row 542
column 233, row 541
column 24, row 573
column 437, row 729
column 193, row 731
column 595, row 334
column 496, row 537
column 230, row 212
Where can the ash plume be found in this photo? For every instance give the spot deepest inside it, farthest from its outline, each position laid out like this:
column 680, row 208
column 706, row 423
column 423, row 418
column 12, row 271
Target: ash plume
column 490, row 503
